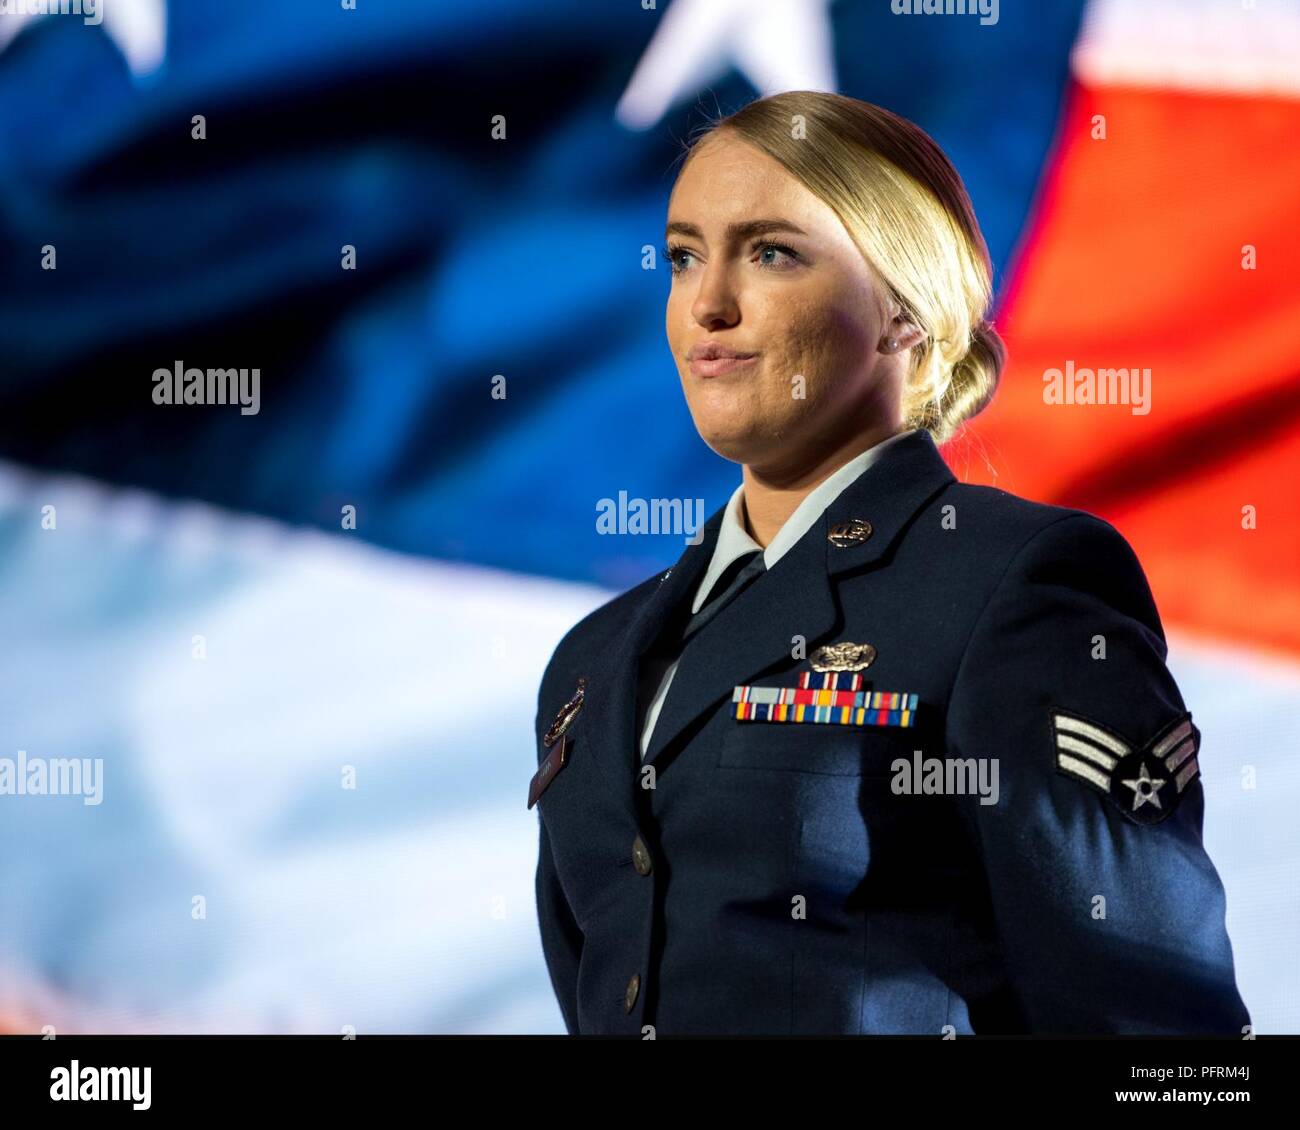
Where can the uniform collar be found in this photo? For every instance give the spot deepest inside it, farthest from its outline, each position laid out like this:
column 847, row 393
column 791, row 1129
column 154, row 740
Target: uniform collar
column 734, row 541
column 753, row 632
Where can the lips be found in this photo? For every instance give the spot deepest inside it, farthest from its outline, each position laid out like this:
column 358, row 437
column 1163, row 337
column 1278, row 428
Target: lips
column 712, row 359
column 712, row 350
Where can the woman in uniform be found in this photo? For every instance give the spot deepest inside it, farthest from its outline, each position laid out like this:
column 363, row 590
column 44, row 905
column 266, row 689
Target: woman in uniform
column 884, row 752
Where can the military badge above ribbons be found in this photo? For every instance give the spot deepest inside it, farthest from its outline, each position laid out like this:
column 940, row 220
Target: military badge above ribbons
column 1145, row 783
column 831, row 697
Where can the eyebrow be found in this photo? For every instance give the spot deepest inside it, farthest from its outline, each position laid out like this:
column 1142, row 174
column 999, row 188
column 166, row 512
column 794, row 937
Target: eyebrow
column 741, row 229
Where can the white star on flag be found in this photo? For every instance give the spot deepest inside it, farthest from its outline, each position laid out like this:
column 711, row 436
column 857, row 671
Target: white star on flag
column 138, row 27
column 776, row 44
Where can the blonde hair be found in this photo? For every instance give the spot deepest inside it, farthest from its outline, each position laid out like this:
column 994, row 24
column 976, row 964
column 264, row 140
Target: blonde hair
column 904, row 205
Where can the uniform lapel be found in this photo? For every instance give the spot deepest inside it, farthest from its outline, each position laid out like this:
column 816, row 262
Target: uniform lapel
column 796, row 597
column 611, row 704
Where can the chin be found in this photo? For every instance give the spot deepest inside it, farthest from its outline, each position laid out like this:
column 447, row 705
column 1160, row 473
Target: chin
column 739, row 445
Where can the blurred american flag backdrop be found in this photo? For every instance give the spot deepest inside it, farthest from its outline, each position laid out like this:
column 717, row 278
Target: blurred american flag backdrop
column 304, row 642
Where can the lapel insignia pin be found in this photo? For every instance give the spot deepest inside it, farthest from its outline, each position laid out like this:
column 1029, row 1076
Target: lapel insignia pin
column 1144, row 783
column 845, row 535
column 843, row 657
column 568, row 712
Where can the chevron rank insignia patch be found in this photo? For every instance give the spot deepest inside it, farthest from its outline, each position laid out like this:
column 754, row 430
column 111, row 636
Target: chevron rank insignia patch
column 1144, row 783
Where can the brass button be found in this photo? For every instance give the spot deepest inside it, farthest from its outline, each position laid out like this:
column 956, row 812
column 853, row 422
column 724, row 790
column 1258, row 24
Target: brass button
column 632, row 987
column 845, row 535
column 640, row 857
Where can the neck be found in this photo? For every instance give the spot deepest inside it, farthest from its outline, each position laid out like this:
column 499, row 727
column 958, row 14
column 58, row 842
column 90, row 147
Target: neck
column 772, row 495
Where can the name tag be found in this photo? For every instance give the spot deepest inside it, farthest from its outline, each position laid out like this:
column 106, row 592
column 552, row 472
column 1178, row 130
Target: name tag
column 556, row 760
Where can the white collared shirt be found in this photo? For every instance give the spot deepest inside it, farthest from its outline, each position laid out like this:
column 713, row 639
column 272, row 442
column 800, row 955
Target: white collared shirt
column 733, row 541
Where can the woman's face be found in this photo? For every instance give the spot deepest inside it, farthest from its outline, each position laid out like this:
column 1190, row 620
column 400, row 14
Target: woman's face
column 795, row 293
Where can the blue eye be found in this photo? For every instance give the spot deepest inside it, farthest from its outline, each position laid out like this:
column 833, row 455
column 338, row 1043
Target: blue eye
column 780, row 248
column 670, row 251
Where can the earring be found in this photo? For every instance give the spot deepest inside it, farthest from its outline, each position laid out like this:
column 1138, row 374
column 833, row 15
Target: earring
column 891, row 344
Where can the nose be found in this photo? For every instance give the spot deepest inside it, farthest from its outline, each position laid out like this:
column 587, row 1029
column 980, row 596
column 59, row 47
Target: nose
column 716, row 303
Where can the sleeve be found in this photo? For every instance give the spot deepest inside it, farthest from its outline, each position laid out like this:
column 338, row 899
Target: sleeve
column 561, row 935
column 1109, row 913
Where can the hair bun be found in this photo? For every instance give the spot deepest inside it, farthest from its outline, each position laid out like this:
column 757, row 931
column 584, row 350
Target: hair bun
column 974, row 377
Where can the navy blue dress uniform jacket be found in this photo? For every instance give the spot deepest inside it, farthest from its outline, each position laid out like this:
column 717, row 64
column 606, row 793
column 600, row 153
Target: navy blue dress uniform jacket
column 768, row 878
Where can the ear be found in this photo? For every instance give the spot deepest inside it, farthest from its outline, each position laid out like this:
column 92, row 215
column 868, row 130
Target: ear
column 900, row 335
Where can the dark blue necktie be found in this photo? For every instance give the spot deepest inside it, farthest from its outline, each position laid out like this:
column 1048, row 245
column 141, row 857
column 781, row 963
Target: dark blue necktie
column 737, row 576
